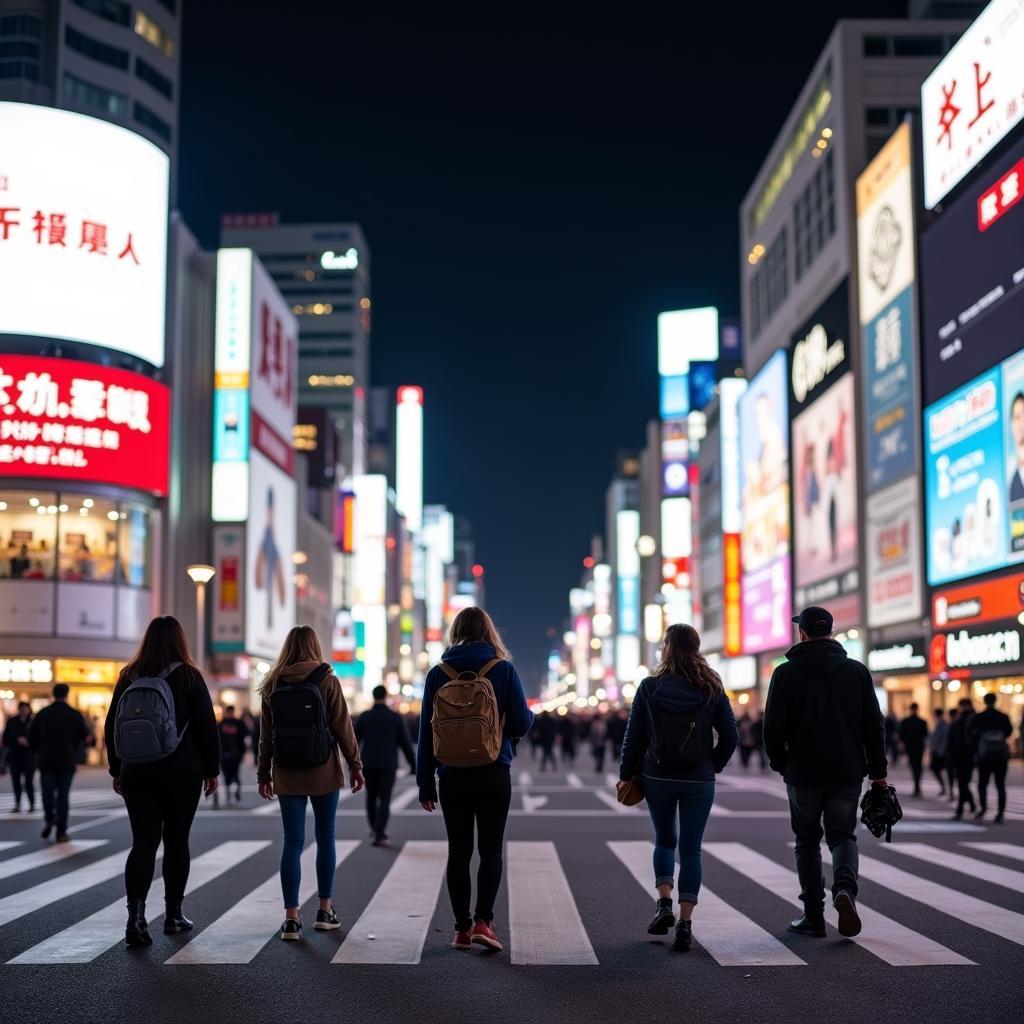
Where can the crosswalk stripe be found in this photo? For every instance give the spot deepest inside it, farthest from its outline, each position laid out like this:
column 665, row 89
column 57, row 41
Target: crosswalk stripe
column 611, row 779
column 732, row 938
column 56, row 889
column 393, row 927
column 89, row 938
column 988, row 916
column 575, row 782
column 885, row 938
column 7, row 844
column 411, row 795
column 992, row 873
column 610, row 801
column 525, row 779
column 238, row 935
column 47, row 855
column 544, row 924
column 1009, row 850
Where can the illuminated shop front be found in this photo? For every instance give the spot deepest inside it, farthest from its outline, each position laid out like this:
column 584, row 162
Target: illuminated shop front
column 900, row 670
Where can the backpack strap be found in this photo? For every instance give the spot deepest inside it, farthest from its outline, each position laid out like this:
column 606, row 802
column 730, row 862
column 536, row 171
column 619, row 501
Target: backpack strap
column 319, row 674
column 170, row 670
column 448, row 670
column 482, row 672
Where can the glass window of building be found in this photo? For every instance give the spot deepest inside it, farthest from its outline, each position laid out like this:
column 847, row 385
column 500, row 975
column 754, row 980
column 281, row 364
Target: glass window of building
column 145, row 72
column 94, row 49
column 153, row 34
column 133, row 546
column 112, row 10
column 114, row 103
column 155, row 124
column 28, row 534
column 88, row 538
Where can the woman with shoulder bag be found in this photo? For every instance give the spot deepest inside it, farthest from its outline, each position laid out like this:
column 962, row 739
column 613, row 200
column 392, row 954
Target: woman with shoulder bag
column 670, row 751
column 304, row 720
column 163, row 750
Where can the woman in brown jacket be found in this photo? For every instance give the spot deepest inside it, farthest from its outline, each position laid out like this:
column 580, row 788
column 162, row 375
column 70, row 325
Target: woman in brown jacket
column 300, row 758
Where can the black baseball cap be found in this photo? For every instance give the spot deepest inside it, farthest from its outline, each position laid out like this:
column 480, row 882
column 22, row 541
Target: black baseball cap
column 814, row 621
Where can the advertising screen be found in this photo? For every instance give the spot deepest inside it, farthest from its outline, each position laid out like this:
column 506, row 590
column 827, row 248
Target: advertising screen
column 972, row 306
column 893, row 556
column 68, row 420
column 764, row 498
column 83, row 231
column 974, row 475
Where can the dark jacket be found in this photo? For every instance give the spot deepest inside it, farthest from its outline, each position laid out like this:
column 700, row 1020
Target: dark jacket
column 381, row 733
column 669, row 694
column 198, row 750
column 958, row 744
column 989, row 720
column 233, row 734
column 19, row 757
column 823, row 728
column 508, row 690
column 914, row 733
column 57, row 734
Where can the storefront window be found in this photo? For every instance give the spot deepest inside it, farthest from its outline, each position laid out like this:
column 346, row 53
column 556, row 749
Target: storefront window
column 88, row 538
column 28, row 534
column 133, row 546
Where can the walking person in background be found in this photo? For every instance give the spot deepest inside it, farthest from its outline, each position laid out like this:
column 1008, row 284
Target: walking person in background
column 304, row 732
column 757, row 733
column 670, row 741
column 252, row 730
column 988, row 732
column 57, row 735
column 598, row 742
column 937, row 748
column 892, row 737
column 950, row 766
column 913, row 736
column 21, row 760
column 475, row 786
column 567, row 730
column 961, row 756
column 233, row 735
column 745, row 725
column 617, row 732
column 163, row 751
column 823, row 732
column 547, row 733
column 381, row 734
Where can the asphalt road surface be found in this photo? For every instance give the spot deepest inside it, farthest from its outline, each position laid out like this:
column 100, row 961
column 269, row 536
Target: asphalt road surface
column 943, row 911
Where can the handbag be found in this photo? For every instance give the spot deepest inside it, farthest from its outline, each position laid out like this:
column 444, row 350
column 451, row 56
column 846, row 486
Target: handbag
column 630, row 793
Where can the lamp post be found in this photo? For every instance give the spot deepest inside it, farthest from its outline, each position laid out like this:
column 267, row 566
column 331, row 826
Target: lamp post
column 200, row 575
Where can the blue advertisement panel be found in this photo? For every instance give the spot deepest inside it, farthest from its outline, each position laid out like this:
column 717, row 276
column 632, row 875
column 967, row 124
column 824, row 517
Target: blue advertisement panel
column 231, row 425
column 888, row 360
column 674, row 397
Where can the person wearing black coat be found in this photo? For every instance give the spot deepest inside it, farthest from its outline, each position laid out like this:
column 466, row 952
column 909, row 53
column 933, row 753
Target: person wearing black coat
column 913, row 736
column 823, row 732
column 988, row 732
column 162, row 796
column 961, row 756
column 20, row 758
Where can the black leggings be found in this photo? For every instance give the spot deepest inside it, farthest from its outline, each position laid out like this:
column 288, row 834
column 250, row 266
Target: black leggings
column 21, row 776
column 477, row 797
column 992, row 769
column 160, row 809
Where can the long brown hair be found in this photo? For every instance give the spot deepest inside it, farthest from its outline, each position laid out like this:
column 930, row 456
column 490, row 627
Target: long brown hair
column 474, row 625
column 301, row 644
column 680, row 656
column 162, row 645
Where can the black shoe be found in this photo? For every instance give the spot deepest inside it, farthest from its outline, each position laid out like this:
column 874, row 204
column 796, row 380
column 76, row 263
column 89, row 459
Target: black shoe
column 63, row 837
column 291, row 930
column 326, row 920
column 998, row 819
column 16, row 810
column 813, row 926
column 684, row 937
column 47, row 829
column 136, row 932
column 381, row 840
column 174, row 920
column 664, row 917
column 849, row 919
column 979, row 814
column 957, row 817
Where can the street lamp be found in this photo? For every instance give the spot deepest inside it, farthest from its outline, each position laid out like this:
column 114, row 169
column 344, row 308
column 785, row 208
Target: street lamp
column 200, row 575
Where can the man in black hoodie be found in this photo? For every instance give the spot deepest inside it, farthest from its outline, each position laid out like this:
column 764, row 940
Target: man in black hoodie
column 824, row 731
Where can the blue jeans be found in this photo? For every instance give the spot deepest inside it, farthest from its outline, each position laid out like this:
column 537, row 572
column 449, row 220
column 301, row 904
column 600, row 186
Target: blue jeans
column 838, row 808
column 56, row 787
column 692, row 801
column 293, row 816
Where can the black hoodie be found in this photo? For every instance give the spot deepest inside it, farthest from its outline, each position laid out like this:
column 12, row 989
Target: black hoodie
column 823, row 728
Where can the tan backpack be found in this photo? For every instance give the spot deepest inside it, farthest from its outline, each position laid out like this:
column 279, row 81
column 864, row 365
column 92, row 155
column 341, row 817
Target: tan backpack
column 466, row 725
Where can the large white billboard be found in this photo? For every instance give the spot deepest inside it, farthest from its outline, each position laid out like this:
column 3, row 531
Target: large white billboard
column 83, row 231
column 893, row 557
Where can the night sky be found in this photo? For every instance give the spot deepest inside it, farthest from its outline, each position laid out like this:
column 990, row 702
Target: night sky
column 536, row 182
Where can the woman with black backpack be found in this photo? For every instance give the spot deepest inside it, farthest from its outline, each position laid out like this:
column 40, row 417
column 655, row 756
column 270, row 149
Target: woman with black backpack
column 304, row 722
column 670, row 750
column 163, row 750
column 474, row 712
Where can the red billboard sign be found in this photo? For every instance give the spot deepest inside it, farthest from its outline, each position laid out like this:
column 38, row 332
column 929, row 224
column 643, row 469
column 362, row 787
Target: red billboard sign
column 61, row 419
column 985, row 601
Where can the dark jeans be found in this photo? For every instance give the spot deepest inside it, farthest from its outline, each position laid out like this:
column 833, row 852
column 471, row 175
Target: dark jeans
column 379, row 783
column 293, row 818
column 838, row 807
column 547, row 756
column 160, row 809
column 691, row 801
column 745, row 753
column 21, row 778
column 916, row 758
column 599, row 753
column 56, row 787
column 230, row 767
column 992, row 769
column 963, row 781
column 475, row 798
column 937, row 763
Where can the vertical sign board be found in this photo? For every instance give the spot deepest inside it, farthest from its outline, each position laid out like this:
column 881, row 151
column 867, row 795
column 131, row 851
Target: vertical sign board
column 730, row 391
column 227, row 588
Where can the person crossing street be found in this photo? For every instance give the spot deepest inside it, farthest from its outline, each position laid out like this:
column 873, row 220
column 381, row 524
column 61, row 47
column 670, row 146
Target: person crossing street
column 987, row 733
column 913, row 736
column 21, row 760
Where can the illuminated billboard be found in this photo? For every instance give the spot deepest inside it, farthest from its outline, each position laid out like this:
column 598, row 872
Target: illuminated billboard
column 370, row 574
column 61, row 419
column 764, row 498
column 627, row 566
column 83, row 231
column 893, row 555
column 685, row 336
column 409, row 456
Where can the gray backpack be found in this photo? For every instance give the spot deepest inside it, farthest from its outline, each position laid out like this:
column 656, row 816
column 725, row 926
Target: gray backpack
column 145, row 729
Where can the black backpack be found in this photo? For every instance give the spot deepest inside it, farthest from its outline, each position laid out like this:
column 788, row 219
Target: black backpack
column 302, row 736
column 679, row 740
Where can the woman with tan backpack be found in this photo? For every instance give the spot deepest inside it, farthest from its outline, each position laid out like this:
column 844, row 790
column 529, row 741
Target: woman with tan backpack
column 474, row 713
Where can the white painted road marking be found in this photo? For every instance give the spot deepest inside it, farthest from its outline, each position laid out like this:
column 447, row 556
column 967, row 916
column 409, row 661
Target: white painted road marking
column 980, row 869
column 46, row 856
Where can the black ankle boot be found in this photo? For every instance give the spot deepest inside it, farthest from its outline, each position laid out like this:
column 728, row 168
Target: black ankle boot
column 174, row 920
column 684, row 936
column 136, row 932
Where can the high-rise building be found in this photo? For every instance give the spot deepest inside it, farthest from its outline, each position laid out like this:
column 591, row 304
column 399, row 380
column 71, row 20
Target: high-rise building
column 323, row 270
column 110, row 59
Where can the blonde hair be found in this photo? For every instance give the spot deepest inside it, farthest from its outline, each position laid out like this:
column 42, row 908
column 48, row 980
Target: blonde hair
column 301, row 644
column 474, row 625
